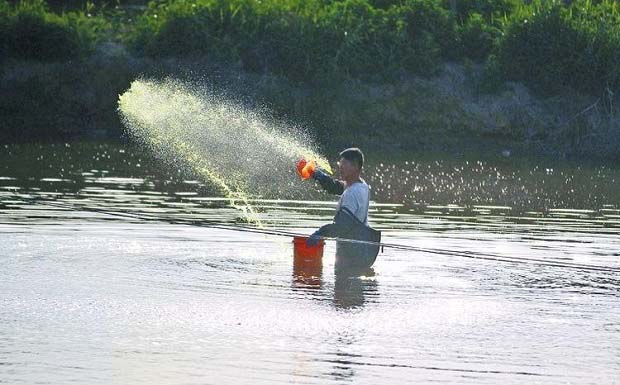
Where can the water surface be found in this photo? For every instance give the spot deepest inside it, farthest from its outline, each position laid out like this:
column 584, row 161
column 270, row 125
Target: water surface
column 145, row 297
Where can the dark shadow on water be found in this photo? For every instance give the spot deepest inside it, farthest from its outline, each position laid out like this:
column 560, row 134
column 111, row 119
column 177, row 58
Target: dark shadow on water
column 348, row 293
column 342, row 363
column 351, row 289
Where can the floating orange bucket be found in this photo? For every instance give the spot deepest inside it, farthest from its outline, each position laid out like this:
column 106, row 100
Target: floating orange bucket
column 301, row 251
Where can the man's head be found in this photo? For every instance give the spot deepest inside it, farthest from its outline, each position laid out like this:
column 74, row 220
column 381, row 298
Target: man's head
column 351, row 162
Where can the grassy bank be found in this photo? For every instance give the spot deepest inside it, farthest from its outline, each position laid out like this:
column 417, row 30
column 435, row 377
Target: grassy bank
column 547, row 44
column 378, row 67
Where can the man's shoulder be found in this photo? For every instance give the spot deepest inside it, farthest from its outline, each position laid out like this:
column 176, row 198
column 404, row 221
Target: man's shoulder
column 361, row 183
column 358, row 189
column 360, row 186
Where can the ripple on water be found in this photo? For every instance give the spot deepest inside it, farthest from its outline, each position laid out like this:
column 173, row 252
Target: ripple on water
column 87, row 295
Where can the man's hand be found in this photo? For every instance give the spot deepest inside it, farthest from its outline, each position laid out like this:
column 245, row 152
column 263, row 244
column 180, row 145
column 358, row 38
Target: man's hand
column 331, row 185
column 319, row 175
column 314, row 239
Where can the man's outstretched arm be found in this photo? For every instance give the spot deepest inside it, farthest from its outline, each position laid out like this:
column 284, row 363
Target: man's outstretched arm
column 329, row 184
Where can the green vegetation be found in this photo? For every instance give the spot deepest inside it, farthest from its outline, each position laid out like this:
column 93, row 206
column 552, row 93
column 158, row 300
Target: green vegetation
column 299, row 39
column 314, row 58
column 552, row 47
column 28, row 30
column 547, row 44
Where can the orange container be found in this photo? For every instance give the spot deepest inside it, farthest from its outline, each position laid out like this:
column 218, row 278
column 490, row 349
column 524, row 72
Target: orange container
column 305, row 169
column 305, row 252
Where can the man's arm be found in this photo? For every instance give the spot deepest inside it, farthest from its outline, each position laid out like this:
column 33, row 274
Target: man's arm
column 343, row 221
column 329, row 184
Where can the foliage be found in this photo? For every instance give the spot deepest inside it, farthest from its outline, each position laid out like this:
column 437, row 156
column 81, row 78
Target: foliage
column 478, row 37
column 301, row 39
column 29, row 31
column 551, row 46
column 488, row 9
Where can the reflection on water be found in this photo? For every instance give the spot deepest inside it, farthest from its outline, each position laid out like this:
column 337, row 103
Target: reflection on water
column 350, row 288
column 307, row 275
column 139, row 298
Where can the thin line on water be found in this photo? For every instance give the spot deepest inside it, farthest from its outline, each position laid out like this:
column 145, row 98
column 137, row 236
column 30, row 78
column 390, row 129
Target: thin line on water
column 282, row 233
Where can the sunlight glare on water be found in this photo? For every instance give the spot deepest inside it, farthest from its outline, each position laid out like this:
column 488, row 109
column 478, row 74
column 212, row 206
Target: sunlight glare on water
column 89, row 297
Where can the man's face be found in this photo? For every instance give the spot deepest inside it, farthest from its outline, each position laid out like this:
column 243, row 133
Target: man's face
column 346, row 168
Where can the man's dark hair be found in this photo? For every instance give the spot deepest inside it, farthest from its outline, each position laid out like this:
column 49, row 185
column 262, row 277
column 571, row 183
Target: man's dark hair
column 353, row 155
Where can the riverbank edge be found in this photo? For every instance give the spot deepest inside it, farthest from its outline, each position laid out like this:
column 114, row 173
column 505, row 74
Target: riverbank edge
column 449, row 112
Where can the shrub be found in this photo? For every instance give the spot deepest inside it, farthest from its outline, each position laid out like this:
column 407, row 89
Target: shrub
column 551, row 46
column 477, row 37
column 301, row 39
column 30, row 31
column 545, row 43
column 488, row 9
column 357, row 38
column 5, row 12
column 431, row 29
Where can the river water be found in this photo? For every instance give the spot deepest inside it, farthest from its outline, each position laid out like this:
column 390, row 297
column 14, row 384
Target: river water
column 111, row 274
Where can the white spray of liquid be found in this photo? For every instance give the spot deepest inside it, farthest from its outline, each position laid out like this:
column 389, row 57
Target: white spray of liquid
column 243, row 153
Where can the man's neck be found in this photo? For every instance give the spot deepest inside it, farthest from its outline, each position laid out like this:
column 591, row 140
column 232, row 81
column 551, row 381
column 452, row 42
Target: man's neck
column 354, row 178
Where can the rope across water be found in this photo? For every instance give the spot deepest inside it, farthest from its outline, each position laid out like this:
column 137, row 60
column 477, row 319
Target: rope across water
column 283, row 233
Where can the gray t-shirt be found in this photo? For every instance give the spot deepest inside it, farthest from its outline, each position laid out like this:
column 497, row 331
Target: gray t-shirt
column 356, row 198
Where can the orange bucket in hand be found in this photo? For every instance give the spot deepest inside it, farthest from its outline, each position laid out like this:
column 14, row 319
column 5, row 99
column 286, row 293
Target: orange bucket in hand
column 305, row 252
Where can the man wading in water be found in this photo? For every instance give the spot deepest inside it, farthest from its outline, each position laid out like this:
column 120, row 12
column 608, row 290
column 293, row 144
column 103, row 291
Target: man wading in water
column 351, row 219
